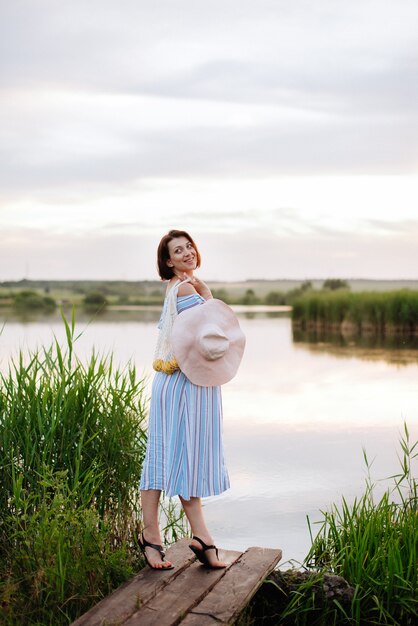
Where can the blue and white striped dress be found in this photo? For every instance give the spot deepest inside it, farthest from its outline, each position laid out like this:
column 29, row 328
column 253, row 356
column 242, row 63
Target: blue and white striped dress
column 185, row 454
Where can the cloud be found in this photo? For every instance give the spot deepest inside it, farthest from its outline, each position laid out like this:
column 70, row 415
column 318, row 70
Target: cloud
column 36, row 254
column 261, row 252
column 122, row 118
column 50, row 152
column 115, row 92
column 394, row 227
column 236, row 49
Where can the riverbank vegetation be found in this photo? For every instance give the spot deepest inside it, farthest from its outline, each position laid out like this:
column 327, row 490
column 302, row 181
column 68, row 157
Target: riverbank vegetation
column 95, row 301
column 145, row 293
column 357, row 313
column 99, row 294
column 72, row 442
column 31, row 300
column 369, row 547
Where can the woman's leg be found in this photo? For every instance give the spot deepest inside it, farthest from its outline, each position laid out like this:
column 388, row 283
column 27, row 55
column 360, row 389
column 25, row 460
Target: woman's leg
column 150, row 501
column 194, row 513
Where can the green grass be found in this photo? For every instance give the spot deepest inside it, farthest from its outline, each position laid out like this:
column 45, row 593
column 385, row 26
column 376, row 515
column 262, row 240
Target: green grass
column 372, row 543
column 72, row 442
column 87, row 420
column 381, row 312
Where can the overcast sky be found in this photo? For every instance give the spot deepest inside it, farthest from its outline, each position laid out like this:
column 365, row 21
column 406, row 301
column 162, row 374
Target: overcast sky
column 282, row 133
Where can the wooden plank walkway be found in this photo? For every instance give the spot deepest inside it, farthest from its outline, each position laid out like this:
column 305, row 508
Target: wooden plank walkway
column 190, row 594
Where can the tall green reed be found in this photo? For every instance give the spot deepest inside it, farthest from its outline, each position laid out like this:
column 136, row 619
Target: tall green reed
column 378, row 311
column 374, row 545
column 72, row 443
column 87, row 420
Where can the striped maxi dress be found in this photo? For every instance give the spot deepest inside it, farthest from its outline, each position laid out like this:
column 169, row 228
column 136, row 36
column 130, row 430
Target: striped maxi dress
column 184, row 454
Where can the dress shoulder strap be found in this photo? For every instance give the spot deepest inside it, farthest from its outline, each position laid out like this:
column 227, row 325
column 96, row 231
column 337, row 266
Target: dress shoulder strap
column 174, row 289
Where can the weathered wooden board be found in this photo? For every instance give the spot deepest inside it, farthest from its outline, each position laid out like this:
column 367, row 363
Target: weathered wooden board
column 122, row 603
column 190, row 594
column 181, row 594
column 224, row 603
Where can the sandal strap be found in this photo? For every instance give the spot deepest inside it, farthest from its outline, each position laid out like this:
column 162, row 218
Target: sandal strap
column 204, row 545
column 155, row 546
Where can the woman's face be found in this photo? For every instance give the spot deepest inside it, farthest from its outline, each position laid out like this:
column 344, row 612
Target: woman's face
column 182, row 256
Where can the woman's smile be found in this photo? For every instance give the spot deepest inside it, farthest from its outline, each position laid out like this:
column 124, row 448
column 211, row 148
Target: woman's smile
column 182, row 254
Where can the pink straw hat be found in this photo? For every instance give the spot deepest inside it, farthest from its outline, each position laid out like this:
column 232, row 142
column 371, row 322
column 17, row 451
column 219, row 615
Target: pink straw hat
column 208, row 343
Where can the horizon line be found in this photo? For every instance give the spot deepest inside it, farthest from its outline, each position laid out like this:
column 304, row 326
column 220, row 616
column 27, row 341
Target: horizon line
column 245, row 280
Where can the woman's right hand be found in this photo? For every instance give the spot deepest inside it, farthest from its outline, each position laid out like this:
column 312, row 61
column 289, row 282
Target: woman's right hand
column 200, row 286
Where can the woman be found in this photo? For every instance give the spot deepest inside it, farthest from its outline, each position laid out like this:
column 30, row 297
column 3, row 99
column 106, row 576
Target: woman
column 185, row 452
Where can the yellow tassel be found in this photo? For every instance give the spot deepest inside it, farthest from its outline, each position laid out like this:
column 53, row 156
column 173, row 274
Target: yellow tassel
column 168, row 367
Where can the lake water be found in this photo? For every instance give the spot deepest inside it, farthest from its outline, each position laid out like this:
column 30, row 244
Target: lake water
column 296, row 417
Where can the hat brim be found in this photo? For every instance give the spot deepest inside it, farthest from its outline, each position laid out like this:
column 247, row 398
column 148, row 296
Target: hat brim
column 198, row 369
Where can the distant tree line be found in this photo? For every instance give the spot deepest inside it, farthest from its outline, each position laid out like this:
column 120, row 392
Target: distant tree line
column 48, row 296
column 29, row 300
column 277, row 298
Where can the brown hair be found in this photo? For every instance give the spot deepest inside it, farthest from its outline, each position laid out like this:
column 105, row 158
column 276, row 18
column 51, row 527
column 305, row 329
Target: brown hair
column 163, row 254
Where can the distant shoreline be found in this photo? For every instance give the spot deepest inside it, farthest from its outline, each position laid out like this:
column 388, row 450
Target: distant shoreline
column 290, row 282
column 238, row 308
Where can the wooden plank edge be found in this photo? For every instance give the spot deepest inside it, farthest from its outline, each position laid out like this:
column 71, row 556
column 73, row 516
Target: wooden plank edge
column 202, row 614
column 98, row 615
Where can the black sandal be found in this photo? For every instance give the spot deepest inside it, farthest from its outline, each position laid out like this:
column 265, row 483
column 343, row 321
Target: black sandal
column 201, row 553
column 146, row 544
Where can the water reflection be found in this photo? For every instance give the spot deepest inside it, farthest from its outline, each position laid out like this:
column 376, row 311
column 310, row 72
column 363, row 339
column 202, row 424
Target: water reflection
column 295, row 417
column 261, row 311
column 399, row 349
column 280, row 475
column 251, row 315
column 145, row 314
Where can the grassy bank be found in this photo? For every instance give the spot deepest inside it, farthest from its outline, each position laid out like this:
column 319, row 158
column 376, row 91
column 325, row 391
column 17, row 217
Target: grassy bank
column 72, row 442
column 148, row 292
column 343, row 311
column 372, row 543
